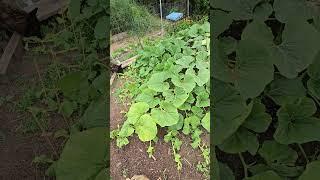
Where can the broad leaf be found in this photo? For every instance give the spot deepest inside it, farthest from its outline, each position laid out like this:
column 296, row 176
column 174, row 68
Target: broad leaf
column 268, row 175
column 262, row 11
column 146, row 128
column 136, row 111
column 229, row 113
column 166, row 115
column 286, row 10
column 296, row 124
column 205, row 122
column 258, row 120
column 84, row 156
column 225, row 172
column 241, row 141
column 95, row 115
column 311, row 172
column 186, row 82
column 295, row 54
column 283, row 90
column 156, row 82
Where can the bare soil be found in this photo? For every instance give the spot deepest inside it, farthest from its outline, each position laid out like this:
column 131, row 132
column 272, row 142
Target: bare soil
column 133, row 159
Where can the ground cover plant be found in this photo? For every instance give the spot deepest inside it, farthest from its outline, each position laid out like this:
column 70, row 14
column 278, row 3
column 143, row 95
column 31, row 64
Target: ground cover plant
column 266, row 89
column 169, row 89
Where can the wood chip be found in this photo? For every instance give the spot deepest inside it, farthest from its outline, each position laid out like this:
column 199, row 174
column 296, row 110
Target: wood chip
column 128, row 62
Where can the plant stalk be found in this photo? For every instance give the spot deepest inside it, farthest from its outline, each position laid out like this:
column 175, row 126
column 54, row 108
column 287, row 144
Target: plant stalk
column 245, row 168
column 303, row 153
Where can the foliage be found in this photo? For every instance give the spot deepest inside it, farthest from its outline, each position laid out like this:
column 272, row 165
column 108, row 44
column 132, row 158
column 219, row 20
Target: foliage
column 172, row 91
column 127, row 15
column 265, row 70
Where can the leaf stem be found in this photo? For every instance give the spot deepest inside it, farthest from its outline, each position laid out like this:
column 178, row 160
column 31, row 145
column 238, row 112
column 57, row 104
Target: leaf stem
column 303, row 153
column 245, row 168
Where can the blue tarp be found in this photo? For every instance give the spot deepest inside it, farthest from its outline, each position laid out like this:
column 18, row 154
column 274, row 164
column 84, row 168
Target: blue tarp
column 174, row 16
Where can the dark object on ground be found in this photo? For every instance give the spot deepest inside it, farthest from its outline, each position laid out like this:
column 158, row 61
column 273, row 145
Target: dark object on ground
column 14, row 19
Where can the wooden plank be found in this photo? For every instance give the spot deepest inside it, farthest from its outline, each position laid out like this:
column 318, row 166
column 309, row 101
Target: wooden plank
column 129, row 61
column 114, row 75
column 9, row 52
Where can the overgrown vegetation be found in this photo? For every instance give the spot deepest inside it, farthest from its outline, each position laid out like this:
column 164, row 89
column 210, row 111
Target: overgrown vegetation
column 266, row 89
column 169, row 86
column 77, row 90
column 128, row 16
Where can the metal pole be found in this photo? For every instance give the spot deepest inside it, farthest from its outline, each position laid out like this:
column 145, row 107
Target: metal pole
column 188, row 8
column 161, row 17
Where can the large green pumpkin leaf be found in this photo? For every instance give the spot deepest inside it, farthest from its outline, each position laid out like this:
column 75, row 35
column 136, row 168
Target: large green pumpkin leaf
column 95, row 115
column 314, row 68
column 166, row 115
column 296, row 124
column 147, row 96
column 258, row 120
column 262, row 11
column 136, row 111
column 286, row 10
column 84, row 156
column 253, row 68
column 283, row 90
column 314, row 87
column 146, row 128
column 74, row 8
column 312, row 171
column 185, row 61
column 274, row 152
column 295, row 54
column 101, row 29
column 186, row 82
column 156, row 82
column 225, row 172
column 268, row 175
column 220, row 22
column 241, row 141
column 205, row 122
column 180, row 97
column 229, row 113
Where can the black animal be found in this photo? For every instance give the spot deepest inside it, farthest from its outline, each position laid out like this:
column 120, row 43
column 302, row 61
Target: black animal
column 14, row 19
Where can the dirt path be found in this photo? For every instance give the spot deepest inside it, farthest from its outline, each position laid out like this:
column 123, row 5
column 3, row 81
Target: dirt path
column 133, row 159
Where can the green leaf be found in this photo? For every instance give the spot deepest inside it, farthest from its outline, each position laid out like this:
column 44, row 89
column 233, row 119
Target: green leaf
column 89, row 150
column 314, row 68
column 95, row 115
column 253, row 68
column 126, row 130
column 226, row 172
column 166, row 115
column 74, row 8
column 180, row 97
column 136, row 111
column 229, row 113
column 258, row 120
column 146, row 128
column 185, row 61
column 220, row 22
column 268, row 175
column 283, row 90
column 295, row 54
column 229, row 44
column 186, row 82
column 205, row 122
column 71, row 82
column 296, row 124
column 67, row 108
column 274, row 152
column 203, row 100
column 100, row 82
column 262, row 11
column 311, row 172
column 314, row 87
column 241, row 141
column 147, row 96
column 286, row 10
column 156, row 82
